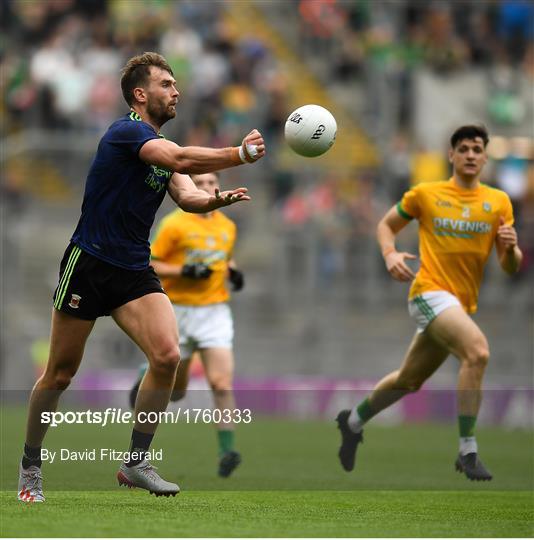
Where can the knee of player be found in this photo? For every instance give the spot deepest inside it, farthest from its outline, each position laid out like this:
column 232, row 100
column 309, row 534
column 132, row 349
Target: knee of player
column 59, row 380
column 221, row 383
column 477, row 356
column 166, row 359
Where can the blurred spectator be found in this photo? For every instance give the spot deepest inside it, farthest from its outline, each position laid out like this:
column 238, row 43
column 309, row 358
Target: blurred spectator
column 209, row 73
column 282, row 185
column 528, row 62
column 321, row 19
column 103, row 100
column 398, row 167
column 53, row 68
column 512, row 173
column 181, row 45
column 349, row 60
column 505, row 105
column 273, row 83
column 515, row 25
column 19, row 91
column 12, row 188
column 474, row 24
column 100, row 57
column 324, row 17
column 445, row 51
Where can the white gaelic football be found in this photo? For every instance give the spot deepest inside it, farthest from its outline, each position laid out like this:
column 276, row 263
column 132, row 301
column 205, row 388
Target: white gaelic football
column 310, row 130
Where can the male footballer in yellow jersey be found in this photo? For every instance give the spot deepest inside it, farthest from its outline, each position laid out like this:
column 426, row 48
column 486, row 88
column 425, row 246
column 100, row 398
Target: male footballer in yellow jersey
column 460, row 220
column 192, row 253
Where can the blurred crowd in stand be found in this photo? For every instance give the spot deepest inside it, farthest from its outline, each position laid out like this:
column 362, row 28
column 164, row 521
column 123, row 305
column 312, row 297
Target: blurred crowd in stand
column 61, row 62
column 400, row 36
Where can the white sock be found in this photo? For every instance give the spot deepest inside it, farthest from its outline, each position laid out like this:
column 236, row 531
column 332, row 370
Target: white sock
column 354, row 421
column 468, row 445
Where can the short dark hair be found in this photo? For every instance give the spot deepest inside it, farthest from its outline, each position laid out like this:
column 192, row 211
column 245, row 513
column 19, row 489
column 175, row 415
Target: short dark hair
column 137, row 71
column 470, row 132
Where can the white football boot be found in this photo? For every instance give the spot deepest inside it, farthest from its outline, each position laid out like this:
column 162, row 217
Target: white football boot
column 30, row 484
column 144, row 476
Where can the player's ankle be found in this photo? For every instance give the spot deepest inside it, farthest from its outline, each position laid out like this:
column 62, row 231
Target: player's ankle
column 354, row 421
column 468, row 445
column 31, row 457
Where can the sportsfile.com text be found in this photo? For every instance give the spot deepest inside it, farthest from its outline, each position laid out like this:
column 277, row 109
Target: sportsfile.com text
column 113, row 415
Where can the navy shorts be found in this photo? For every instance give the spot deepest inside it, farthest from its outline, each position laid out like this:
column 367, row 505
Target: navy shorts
column 90, row 288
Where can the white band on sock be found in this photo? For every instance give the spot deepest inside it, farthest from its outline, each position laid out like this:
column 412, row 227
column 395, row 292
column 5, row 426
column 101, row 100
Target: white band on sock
column 468, row 445
column 354, row 421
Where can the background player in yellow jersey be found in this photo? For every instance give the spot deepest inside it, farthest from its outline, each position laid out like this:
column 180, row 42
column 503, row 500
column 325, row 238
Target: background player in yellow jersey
column 459, row 222
column 192, row 253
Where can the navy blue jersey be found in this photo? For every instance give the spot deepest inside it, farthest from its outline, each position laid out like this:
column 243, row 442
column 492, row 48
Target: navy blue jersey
column 122, row 196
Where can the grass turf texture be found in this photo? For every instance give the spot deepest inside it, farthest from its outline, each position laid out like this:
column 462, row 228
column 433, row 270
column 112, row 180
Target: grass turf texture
column 290, row 484
column 272, row 514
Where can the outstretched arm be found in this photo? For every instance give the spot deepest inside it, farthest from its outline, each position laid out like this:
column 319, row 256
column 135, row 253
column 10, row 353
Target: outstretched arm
column 386, row 231
column 165, row 269
column 508, row 252
column 197, row 159
column 170, row 270
column 191, row 199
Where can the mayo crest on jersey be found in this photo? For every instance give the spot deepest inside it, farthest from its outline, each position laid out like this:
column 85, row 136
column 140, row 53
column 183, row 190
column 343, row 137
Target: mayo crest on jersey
column 185, row 238
column 122, row 195
column 457, row 231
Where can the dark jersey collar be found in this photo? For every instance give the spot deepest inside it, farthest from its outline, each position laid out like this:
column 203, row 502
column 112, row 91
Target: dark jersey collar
column 136, row 117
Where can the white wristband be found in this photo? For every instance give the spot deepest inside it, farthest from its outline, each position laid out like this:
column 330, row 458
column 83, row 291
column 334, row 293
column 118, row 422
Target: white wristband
column 252, row 151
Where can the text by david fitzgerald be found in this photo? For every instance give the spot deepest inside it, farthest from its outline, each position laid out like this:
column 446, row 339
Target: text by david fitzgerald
column 99, row 454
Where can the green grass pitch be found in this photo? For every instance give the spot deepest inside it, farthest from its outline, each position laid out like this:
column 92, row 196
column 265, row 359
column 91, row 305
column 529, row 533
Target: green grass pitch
column 289, row 484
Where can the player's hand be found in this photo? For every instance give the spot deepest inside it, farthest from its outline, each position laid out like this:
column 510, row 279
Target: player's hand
column 396, row 266
column 226, row 198
column 237, row 279
column 196, row 271
column 252, row 148
column 506, row 235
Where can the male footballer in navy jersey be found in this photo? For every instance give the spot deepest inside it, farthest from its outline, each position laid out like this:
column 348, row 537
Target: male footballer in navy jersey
column 106, row 271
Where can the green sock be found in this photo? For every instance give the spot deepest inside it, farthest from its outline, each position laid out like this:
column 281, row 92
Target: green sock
column 467, row 425
column 226, row 440
column 364, row 410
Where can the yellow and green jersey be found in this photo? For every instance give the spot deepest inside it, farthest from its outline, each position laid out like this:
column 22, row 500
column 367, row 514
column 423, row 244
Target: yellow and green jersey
column 185, row 238
column 457, row 230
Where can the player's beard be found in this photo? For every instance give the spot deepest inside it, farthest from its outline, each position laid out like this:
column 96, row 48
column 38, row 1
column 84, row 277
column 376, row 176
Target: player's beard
column 160, row 112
